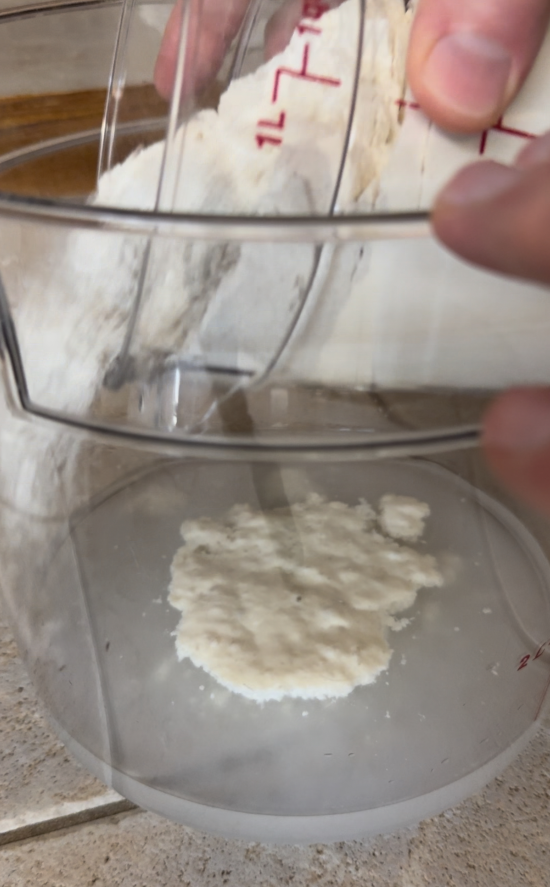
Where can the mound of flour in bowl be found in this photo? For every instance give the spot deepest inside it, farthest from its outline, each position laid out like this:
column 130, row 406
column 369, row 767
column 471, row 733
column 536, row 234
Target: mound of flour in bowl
column 268, row 619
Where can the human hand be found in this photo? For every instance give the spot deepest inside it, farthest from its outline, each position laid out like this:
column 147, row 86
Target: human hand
column 499, row 217
column 467, row 58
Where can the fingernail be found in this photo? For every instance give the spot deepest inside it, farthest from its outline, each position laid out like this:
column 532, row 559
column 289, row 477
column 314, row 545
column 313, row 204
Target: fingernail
column 536, row 152
column 520, row 421
column 469, row 73
column 479, row 183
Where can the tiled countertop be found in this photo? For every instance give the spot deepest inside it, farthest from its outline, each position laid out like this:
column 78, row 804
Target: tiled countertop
column 500, row 838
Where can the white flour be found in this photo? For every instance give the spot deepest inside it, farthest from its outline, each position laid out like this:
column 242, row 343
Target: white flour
column 218, row 165
column 396, row 315
column 72, row 293
column 403, row 517
column 269, row 620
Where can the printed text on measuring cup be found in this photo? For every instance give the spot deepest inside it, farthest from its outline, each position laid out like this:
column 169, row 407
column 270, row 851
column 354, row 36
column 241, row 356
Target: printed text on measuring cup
column 312, row 10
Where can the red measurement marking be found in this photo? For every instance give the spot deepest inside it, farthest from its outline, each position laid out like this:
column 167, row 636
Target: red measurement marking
column 262, row 140
column 302, row 74
column 401, row 103
column 498, row 127
column 314, row 9
column 267, row 140
column 507, row 130
column 276, row 124
column 525, row 660
column 308, row 29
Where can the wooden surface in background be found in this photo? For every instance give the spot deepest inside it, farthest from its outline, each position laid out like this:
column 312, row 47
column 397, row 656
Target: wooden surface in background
column 29, row 120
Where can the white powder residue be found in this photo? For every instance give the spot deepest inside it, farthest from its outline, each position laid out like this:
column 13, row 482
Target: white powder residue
column 403, row 517
column 268, row 619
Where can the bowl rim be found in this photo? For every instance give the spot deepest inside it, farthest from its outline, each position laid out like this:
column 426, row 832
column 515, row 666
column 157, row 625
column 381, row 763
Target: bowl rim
column 196, row 226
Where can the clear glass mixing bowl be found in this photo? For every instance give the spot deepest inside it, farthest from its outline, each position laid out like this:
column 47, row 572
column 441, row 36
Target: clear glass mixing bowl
column 379, row 390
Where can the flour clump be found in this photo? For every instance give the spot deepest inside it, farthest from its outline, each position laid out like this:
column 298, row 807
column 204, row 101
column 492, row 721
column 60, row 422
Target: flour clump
column 403, row 517
column 269, row 620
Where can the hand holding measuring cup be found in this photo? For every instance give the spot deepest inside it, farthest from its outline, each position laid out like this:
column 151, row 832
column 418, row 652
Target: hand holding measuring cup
column 467, row 60
column 499, row 217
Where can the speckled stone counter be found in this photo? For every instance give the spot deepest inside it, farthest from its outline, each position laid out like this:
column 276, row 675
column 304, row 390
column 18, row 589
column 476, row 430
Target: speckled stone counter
column 500, row 838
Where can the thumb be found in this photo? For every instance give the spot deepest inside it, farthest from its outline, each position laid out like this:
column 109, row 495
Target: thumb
column 468, row 58
column 516, row 440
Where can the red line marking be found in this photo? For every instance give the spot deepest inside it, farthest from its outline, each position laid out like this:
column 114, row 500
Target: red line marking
column 404, row 104
column 302, row 74
column 507, row 130
column 483, row 141
column 276, row 124
column 308, row 29
column 267, row 140
column 498, row 127
column 314, row 9
column 540, row 650
column 515, row 132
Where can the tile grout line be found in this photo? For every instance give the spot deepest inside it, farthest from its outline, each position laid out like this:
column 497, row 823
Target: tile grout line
column 10, row 833
column 54, row 811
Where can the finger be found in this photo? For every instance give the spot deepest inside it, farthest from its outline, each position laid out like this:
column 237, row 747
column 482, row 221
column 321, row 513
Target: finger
column 499, row 217
column 281, row 26
column 468, row 58
column 213, row 25
column 283, row 23
column 219, row 23
column 537, row 151
column 516, row 441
